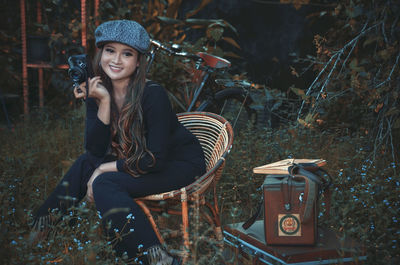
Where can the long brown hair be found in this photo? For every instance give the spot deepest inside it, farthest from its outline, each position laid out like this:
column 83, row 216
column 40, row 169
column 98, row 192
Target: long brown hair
column 127, row 127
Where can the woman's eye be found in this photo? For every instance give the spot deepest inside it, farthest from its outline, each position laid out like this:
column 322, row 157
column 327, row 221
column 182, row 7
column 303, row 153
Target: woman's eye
column 109, row 50
column 128, row 54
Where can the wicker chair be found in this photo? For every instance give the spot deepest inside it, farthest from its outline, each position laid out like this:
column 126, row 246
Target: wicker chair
column 216, row 136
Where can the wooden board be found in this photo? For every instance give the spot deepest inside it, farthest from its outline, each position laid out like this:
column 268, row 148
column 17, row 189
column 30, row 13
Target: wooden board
column 281, row 167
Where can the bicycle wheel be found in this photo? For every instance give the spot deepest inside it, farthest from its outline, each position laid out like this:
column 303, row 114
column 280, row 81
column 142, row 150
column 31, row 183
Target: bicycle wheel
column 235, row 105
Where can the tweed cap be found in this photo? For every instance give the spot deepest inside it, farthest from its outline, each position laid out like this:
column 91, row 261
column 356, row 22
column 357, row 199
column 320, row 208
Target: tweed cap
column 126, row 32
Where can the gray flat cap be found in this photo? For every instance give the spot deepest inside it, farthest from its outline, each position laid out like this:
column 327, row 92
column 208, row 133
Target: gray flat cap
column 126, row 32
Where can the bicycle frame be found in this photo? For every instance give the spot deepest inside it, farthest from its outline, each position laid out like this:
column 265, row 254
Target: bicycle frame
column 205, row 63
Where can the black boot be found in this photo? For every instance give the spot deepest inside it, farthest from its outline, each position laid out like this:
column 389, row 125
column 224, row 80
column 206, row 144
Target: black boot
column 157, row 255
column 40, row 229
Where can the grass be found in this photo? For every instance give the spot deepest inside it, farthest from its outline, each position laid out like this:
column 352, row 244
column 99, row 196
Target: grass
column 35, row 155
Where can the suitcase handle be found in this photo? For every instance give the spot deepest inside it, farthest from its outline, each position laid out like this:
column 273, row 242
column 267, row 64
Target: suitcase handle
column 312, row 184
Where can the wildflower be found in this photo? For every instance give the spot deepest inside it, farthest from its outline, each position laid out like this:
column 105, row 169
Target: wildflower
column 14, row 242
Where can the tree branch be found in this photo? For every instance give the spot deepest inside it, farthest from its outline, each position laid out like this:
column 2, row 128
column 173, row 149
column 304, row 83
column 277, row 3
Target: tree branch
column 391, row 72
column 338, row 54
column 315, row 80
column 352, row 48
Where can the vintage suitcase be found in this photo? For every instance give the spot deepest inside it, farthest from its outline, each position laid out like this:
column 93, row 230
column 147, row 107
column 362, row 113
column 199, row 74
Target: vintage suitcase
column 290, row 192
column 290, row 210
column 249, row 247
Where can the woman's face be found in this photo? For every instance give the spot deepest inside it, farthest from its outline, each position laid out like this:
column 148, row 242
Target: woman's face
column 119, row 61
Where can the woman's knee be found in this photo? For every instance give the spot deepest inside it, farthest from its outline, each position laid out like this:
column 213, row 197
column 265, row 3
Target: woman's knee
column 103, row 181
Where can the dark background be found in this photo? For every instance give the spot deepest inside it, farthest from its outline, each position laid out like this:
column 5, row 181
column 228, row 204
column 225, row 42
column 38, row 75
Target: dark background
column 268, row 34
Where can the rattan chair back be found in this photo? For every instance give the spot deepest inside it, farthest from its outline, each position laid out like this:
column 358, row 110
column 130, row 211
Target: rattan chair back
column 215, row 135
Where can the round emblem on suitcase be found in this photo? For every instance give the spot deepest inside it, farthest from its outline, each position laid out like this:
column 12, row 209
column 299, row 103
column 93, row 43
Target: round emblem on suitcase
column 289, row 224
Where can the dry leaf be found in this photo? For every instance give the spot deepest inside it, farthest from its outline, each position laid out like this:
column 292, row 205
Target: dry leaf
column 378, row 107
column 231, row 41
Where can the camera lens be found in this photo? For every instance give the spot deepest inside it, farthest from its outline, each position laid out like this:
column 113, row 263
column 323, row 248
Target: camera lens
column 78, row 68
column 77, row 74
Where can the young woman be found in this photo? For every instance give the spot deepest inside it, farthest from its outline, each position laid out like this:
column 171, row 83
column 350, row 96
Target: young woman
column 135, row 145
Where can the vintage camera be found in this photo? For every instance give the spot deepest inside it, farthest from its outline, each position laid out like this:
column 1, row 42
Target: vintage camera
column 79, row 68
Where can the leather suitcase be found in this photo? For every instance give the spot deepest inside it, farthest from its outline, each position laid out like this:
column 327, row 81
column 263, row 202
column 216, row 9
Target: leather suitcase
column 290, row 210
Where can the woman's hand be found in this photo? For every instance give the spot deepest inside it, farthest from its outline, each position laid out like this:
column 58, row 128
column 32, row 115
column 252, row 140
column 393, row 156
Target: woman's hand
column 89, row 192
column 105, row 167
column 96, row 90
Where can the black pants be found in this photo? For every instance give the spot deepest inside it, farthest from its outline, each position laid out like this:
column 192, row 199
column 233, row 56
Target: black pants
column 113, row 194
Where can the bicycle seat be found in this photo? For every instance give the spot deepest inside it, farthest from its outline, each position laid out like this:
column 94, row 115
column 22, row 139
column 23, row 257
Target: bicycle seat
column 214, row 61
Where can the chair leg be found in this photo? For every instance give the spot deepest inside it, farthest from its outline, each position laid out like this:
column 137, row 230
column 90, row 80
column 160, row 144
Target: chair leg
column 196, row 220
column 216, row 221
column 218, row 230
column 185, row 223
column 151, row 220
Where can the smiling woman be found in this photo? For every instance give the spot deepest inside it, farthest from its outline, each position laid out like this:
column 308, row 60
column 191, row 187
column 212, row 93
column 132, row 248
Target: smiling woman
column 135, row 146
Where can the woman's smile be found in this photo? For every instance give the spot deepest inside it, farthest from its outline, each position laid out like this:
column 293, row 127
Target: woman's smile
column 115, row 68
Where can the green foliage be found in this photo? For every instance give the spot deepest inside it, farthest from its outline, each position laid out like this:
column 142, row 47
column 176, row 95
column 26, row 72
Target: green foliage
column 357, row 67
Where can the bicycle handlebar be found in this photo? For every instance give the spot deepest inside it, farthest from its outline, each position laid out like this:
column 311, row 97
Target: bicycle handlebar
column 177, row 53
column 234, row 83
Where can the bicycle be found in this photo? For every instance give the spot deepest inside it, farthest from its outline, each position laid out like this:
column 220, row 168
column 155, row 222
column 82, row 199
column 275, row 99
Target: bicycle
column 233, row 102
